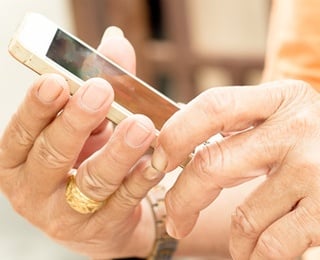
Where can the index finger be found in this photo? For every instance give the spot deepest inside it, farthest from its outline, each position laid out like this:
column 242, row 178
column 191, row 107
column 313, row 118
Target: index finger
column 223, row 109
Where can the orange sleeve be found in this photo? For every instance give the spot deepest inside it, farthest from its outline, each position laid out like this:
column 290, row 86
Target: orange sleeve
column 293, row 48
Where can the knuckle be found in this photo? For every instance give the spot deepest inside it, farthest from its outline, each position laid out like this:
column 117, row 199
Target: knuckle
column 269, row 247
column 127, row 196
column 307, row 106
column 244, row 224
column 49, row 154
column 208, row 164
column 205, row 168
column 95, row 186
column 297, row 87
column 202, row 162
column 293, row 89
column 302, row 122
column 22, row 135
column 215, row 102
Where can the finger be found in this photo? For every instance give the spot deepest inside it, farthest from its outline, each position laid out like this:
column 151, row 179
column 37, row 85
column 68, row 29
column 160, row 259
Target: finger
column 117, row 48
column 104, row 172
column 226, row 163
column 271, row 201
column 133, row 189
column 179, row 203
column 222, row 164
column 291, row 235
column 43, row 101
column 217, row 110
column 96, row 141
column 58, row 146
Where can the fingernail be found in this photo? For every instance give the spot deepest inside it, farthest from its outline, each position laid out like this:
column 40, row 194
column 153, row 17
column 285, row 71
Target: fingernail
column 170, row 227
column 94, row 97
column 50, row 89
column 152, row 174
column 113, row 31
column 137, row 134
column 159, row 159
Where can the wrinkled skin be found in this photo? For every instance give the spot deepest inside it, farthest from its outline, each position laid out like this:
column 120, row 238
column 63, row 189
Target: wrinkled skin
column 271, row 130
column 53, row 135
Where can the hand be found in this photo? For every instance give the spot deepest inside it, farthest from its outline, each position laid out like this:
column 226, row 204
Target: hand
column 277, row 134
column 40, row 148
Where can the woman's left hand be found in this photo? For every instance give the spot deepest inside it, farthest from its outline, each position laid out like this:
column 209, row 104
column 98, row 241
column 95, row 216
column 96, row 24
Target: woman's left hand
column 40, row 150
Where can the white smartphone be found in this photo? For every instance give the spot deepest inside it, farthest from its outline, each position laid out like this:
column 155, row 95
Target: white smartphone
column 46, row 48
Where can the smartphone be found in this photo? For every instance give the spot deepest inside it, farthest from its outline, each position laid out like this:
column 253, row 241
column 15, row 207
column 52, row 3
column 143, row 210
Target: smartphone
column 44, row 47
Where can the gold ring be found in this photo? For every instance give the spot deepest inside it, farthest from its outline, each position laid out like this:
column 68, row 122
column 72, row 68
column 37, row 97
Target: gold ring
column 79, row 201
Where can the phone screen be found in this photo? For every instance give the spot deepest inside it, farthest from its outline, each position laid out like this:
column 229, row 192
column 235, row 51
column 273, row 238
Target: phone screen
column 130, row 93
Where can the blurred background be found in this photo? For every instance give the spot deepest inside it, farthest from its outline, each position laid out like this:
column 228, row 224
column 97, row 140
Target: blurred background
column 183, row 47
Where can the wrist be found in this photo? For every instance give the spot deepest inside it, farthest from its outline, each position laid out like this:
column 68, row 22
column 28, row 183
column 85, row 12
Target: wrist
column 150, row 239
column 144, row 235
column 147, row 232
column 164, row 245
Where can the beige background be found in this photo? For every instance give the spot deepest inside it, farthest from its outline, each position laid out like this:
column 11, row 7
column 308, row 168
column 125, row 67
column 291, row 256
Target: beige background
column 228, row 25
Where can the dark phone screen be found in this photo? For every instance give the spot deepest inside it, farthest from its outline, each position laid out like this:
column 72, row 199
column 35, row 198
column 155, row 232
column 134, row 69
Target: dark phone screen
column 130, row 93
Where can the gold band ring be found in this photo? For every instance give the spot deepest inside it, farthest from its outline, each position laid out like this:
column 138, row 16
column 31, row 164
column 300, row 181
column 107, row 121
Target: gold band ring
column 79, row 201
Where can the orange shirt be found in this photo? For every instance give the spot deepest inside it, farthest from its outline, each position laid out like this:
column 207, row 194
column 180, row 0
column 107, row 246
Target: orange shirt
column 293, row 49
